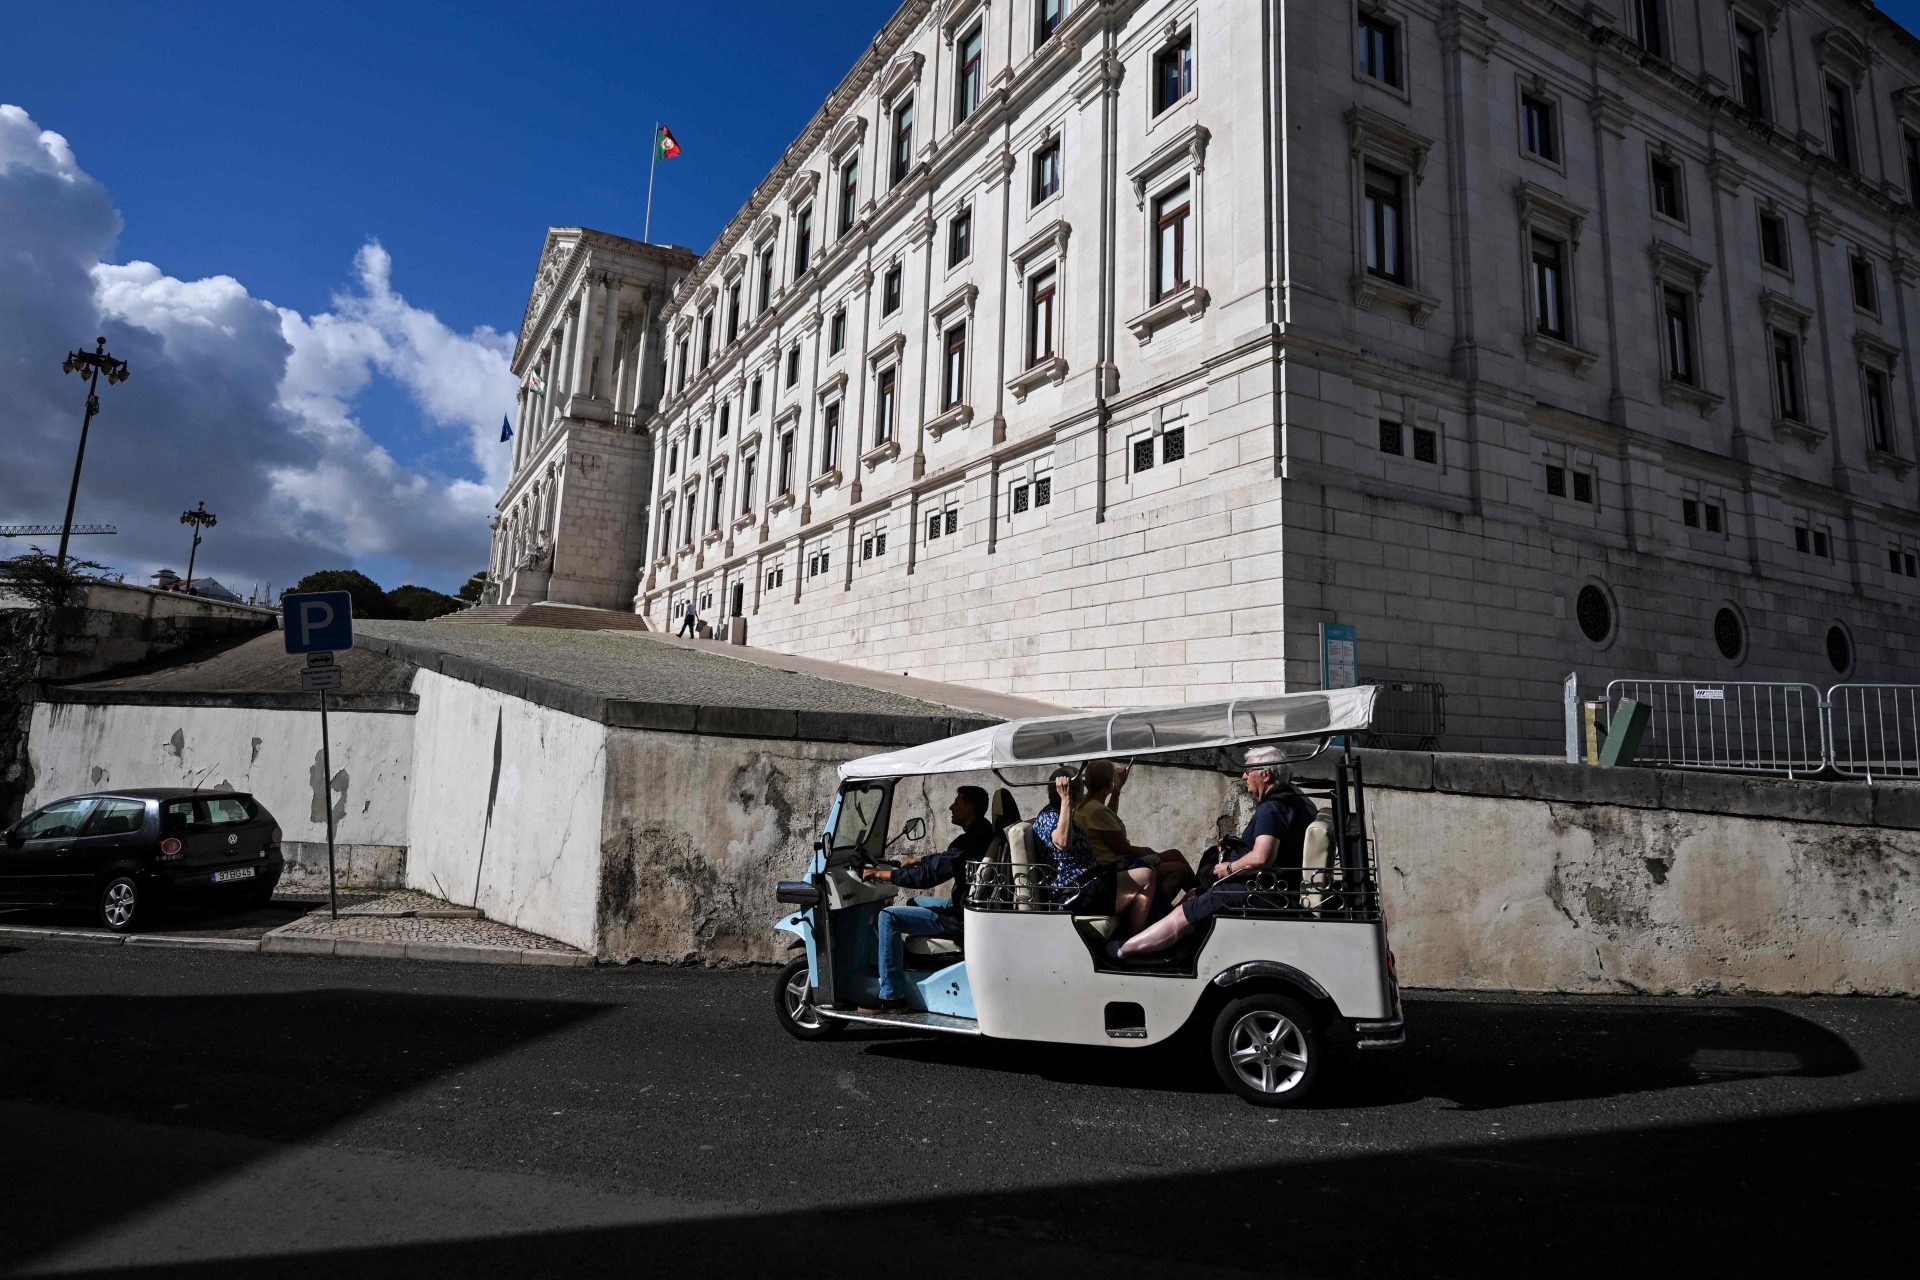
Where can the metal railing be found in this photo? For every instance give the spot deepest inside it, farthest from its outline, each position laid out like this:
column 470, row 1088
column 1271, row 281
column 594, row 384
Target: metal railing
column 1278, row 893
column 1867, row 731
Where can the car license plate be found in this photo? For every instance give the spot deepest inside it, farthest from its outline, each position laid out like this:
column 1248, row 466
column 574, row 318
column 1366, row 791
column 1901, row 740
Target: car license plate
column 238, row 873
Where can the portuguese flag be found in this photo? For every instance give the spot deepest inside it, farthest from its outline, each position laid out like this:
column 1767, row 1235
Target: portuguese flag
column 664, row 147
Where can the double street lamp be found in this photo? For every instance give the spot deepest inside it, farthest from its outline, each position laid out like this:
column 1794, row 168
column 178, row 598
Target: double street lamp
column 90, row 365
column 200, row 518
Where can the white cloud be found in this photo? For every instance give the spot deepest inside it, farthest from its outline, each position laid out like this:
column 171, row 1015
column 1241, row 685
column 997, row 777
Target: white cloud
column 232, row 399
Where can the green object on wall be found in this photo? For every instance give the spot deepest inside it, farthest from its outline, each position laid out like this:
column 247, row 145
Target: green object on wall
column 1623, row 734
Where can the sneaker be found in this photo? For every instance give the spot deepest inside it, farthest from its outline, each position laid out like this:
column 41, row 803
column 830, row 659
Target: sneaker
column 884, row 1005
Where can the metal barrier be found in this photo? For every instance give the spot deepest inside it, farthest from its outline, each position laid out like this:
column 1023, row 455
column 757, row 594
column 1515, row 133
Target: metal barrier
column 1408, row 715
column 1743, row 726
column 1873, row 730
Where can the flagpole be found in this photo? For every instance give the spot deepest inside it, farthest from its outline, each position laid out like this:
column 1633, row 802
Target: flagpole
column 646, row 234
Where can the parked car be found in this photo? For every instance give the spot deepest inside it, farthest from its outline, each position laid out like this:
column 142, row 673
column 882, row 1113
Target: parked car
column 122, row 852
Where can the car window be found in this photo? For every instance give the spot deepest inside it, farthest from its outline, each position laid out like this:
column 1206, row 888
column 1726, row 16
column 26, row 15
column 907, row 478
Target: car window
column 225, row 811
column 56, row 820
column 116, row 818
column 202, row 812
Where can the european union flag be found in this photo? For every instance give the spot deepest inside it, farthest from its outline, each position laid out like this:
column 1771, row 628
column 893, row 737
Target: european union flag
column 506, row 431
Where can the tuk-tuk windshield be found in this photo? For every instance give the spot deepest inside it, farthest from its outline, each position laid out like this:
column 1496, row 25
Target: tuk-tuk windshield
column 862, row 820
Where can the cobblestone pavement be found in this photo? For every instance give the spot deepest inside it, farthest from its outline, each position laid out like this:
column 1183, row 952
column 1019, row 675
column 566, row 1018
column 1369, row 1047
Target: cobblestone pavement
column 379, row 917
column 376, row 902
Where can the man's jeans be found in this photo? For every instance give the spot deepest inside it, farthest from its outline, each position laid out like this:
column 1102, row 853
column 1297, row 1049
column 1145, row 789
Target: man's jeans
column 918, row 920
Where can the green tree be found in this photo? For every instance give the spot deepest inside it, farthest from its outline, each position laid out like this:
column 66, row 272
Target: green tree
column 40, row 579
column 470, row 589
column 369, row 601
column 420, row 603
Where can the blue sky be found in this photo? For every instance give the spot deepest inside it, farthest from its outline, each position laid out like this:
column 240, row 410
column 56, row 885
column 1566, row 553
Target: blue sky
column 254, row 153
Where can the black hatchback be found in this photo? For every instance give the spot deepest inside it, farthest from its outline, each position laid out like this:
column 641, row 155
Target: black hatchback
column 122, row 852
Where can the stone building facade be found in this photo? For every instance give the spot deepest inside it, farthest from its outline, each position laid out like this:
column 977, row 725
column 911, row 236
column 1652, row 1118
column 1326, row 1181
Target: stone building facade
column 570, row 523
column 1100, row 351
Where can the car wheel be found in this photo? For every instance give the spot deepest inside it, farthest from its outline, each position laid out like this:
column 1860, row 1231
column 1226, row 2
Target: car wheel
column 121, row 900
column 1267, row 1049
column 793, row 1004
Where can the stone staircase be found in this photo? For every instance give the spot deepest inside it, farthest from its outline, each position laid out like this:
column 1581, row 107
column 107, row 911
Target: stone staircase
column 565, row 617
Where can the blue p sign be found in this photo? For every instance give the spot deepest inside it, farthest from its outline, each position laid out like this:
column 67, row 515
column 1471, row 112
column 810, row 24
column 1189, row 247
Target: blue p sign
column 318, row 620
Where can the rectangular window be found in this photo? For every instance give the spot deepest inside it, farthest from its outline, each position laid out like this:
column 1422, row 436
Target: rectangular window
column 802, row 241
column 1773, row 241
column 1714, row 523
column 953, row 382
column 1650, row 26
column 1879, row 411
column 1821, row 547
column 960, row 237
column 1173, row 72
column 970, row 78
column 1840, row 123
column 1690, row 513
column 793, row 365
column 1171, row 212
column 693, row 510
column 706, row 340
column 753, row 396
column 1392, row 438
column 890, row 291
column 1426, row 445
column 1556, row 482
column 766, row 279
column 748, row 465
column 1537, row 132
column 726, row 418
column 1048, row 19
column 1549, row 288
column 1749, row 67
column 1046, row 171
column 1908, row 565
column 1802, row 539
column 883, row 406
column 952, row 520
column 1678, row 313
column 880, row 543
column 786, row 462
column 1173, row 445
column 1860, row 273
column 1043, row 491
column 1786, row 376
column 673, row 458
column 733, row 313
column 866, row 548
column 718, row 509
column 1910, row 145
column 830, row 438
column 1143, row 454
column 933, row 526
column 680, row 365
column 902, row 141
column 1022, row 498
column 837, row 332
column 1386, row 222
column 1378, row 45
column 1893, row 559
column 849, row 192
column 1582, row 486
column 693, row 449
column 1040, row 317
column 666, row 528
column 1667, row 196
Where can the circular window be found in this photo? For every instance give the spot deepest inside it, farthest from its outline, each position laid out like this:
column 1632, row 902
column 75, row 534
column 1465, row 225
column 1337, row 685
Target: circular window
column 1839, row 649
column 1595, row 613
column 1729, row 634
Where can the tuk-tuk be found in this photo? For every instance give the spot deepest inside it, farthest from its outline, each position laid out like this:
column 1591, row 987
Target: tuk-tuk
column 1296, row 968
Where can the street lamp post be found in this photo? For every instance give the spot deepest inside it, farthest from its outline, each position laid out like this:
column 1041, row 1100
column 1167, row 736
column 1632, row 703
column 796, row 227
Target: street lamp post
column 200, row 518
column 90, row 364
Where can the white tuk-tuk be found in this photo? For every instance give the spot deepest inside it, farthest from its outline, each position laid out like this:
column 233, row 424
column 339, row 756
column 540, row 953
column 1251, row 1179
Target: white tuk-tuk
column 1296, row 967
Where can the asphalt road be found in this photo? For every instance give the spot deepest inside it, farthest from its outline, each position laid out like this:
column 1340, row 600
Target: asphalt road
column 173, row 1112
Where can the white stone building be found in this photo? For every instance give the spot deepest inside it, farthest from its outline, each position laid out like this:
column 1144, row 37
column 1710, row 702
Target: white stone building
column 1100, row 351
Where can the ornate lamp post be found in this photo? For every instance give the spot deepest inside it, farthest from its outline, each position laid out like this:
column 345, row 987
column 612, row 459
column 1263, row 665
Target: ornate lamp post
column 89, row 364
column 200, row 518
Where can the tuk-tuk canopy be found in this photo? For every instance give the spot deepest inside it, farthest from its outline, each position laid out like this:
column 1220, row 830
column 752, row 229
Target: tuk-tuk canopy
column 1197, row 726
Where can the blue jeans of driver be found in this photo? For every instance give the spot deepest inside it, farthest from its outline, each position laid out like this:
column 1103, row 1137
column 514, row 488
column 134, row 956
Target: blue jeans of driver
column 918, row 919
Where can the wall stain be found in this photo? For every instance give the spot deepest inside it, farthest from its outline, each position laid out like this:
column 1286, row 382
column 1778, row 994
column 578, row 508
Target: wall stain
column 98, row 775
column 254, row 755
column 176, row 745
column 316, row 782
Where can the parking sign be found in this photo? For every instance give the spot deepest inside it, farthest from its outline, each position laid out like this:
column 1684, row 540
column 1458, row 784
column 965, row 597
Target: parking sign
column 317, row 620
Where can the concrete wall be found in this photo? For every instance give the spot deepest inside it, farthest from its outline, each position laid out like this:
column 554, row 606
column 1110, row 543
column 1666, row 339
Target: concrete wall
column 506, row 807
column 273, row 754
column 115, row 624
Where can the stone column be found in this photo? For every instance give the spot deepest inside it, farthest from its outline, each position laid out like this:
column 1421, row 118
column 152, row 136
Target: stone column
column 609, row 329
column 582, row 331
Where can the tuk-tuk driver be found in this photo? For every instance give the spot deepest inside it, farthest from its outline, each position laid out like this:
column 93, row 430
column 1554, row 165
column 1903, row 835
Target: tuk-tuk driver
column 1276, row 833
column 929, row 917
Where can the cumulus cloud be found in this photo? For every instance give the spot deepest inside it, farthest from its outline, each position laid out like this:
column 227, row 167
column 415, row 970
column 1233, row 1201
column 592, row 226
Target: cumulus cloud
column 246, row 404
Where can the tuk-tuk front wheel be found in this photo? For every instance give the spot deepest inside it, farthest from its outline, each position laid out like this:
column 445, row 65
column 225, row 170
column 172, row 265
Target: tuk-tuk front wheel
column 1267, row 1049
column 793, row 1004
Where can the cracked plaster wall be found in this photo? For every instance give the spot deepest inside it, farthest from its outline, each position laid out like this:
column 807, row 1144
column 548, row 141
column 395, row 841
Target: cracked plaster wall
column 274, row 755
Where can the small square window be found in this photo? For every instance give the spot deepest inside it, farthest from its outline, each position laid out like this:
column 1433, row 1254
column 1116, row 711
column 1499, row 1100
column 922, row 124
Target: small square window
column 1021, row 498
column 1820, row 544
column 1556, row 482
column 1714, row 522
column 837, row 332
column 1802, row 539
column 880, row 543
column 1377, row 40
column 1668, row 199
column 933, row 526
column 1690, row 513
column 866, row 548
column 1173, row 445
column 953, row 521
column 890, row 291
column 1426, row 446
column 1911, row 564
column 1893, row 559
column 1043, row 491
column 793, row 366
column 1860, row 273
column 1046, row 171
column 1773, row 241
column 753, row 396
column 1582, row 486
column 1173, row 72
column 960, row 237
column 1143, row 454
column 1537, row 131
column 1390, row 438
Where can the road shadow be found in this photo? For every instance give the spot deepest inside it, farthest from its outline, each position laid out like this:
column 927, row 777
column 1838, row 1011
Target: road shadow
column 1478, row 1054
column 281, row 1066
column 1765, row 1195
column 185, row 919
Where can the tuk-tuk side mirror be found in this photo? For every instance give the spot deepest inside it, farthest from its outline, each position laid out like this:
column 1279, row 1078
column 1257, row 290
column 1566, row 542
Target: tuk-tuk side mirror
column 916, row 829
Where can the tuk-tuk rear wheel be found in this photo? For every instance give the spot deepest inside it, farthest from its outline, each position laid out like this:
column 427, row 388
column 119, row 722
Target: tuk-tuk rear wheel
column 1267, row 1048
column 793, row 1004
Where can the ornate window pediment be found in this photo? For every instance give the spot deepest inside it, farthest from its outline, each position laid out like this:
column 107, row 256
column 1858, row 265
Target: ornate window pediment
column 801, row 186
column 1188, row 147
column 1542, row 207
column 1783, row 312
column 901, row 74
column 1842, row 52
column 1675, row 266
column 1369, row 131
column 1049, row 241
column 850, row 132
column 954, row 303
column 1876, row 351
column 887, row 350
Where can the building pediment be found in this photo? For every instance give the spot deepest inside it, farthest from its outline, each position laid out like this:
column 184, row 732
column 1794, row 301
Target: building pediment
column 1842, row 52
column 901, row 74
column 850, row 132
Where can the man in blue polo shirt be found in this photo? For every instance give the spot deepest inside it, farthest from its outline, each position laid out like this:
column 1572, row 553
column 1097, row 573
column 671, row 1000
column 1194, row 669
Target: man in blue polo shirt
column 929, row 917
column 1274, row 836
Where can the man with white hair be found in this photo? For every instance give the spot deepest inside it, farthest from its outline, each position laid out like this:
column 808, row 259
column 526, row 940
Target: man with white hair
column 1275, row 834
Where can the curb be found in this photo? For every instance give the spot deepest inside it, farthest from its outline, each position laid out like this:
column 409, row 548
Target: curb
column 131, row 940
column 304, row 945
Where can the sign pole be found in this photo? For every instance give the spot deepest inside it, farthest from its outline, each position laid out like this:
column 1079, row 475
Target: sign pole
column 326, row 800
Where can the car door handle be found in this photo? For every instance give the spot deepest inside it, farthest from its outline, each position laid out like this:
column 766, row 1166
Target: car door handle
column 65, row 848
